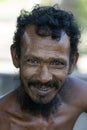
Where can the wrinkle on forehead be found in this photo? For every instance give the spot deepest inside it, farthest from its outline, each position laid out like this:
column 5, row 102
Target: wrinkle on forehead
column 30, row 36
column 45, row 47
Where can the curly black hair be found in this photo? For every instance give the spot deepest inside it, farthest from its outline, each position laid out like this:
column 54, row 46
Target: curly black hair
column 49, row 21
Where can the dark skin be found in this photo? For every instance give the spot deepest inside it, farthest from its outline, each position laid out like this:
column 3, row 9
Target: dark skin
column 44, row 59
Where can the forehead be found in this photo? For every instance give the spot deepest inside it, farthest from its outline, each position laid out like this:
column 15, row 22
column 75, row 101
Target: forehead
column 34, row 42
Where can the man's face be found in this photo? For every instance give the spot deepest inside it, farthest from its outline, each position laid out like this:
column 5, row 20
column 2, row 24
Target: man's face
column 44, row 65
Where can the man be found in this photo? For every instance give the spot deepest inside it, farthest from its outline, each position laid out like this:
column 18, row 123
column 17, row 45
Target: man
column 45, row 49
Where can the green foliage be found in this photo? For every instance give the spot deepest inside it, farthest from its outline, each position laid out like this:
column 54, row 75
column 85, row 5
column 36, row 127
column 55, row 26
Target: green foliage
column 81, row 9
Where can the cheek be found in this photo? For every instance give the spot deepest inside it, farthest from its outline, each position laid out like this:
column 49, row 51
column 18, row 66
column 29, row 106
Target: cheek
column 60, row 74
column 28, row 72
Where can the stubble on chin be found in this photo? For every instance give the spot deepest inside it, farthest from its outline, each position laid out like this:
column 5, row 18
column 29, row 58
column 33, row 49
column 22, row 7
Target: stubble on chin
column 29, row 106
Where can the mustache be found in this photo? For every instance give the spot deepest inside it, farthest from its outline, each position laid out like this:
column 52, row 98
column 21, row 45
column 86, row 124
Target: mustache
column 47, row 84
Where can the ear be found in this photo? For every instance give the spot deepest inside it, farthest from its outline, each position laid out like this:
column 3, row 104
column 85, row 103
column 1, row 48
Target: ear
column 73, row 62
column 14, row 55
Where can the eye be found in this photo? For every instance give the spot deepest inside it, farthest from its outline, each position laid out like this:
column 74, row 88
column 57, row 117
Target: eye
column 57, row 63
column 33, row 61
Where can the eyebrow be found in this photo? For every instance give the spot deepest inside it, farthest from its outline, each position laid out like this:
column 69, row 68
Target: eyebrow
column 41, row 59
column 32, row 56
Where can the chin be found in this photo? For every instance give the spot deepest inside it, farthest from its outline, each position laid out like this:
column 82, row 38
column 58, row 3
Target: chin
column 40, row 105
column 38, row 101
column 42, row 96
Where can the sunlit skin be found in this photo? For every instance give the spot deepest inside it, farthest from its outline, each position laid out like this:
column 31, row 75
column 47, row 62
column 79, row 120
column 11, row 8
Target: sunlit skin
column 44, row 59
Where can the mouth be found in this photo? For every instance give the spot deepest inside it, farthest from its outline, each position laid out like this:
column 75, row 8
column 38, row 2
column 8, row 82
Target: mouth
column 41, row 91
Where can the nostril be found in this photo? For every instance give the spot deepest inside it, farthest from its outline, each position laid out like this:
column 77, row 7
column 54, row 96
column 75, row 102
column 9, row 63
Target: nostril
column 45, row 76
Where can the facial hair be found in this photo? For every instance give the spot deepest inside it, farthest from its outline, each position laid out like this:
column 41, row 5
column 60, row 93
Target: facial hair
column 34, row 108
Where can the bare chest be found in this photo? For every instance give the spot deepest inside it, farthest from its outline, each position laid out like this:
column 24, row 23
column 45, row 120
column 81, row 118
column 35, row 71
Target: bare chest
column 64, row 119
column 62, row 122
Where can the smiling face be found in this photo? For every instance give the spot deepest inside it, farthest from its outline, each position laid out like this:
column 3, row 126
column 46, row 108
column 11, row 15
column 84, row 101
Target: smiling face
column 44, row 65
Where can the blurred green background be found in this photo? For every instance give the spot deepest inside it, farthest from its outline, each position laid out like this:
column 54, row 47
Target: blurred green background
column 10, row 9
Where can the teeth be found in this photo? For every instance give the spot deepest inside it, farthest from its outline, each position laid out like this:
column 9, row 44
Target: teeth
column 43, row 88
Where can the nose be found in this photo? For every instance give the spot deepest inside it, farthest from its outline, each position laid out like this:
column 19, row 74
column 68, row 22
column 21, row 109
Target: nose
column 44, row 75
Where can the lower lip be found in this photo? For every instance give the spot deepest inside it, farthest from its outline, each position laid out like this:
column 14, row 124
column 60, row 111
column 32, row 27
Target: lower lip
column 41, row 92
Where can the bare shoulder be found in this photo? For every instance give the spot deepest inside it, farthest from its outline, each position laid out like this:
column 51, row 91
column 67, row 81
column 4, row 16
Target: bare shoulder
column 7, row 101
column 77, row 92
column 77, row 83
column 8, row 105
